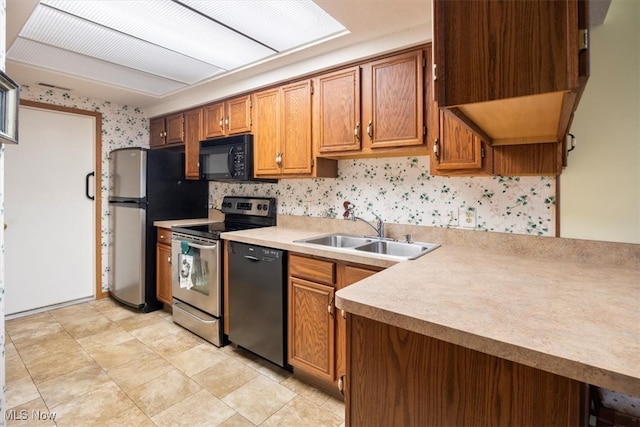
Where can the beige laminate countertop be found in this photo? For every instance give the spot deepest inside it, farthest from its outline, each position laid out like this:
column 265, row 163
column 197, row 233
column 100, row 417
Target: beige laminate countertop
column 574, row 318
column 171, row 222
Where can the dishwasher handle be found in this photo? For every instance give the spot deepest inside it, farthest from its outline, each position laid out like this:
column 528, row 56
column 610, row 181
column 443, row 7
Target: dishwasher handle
column 252, row 258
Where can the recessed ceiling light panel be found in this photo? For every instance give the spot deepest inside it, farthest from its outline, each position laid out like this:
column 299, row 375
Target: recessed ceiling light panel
column 53, row 27
column 52, row 58
column 280, row 24
column 172, row 26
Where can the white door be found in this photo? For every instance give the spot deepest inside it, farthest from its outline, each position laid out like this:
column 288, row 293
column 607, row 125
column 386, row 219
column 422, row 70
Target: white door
column 49, row 239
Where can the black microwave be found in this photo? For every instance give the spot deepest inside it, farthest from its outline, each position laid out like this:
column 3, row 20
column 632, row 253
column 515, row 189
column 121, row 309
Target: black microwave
column 227, row 159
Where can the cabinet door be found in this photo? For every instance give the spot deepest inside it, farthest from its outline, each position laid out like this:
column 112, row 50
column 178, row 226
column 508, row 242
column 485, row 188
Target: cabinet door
column 311, row 328
column 192, row 137
column 295, row 122
column 163, row 273
column 457, row 147
column 238, row 115
column 213, row 120
column 175, row 128
column 394, row 102
column 498, row 49
column 266, row 138
column 337, row 113
column 156, row 132
column 347, row 275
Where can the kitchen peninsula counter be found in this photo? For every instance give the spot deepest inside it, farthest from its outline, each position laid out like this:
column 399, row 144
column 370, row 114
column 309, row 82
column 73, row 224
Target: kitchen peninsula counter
column 569, row 307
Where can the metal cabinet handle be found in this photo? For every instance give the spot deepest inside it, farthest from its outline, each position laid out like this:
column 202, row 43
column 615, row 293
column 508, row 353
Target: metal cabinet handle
column 169, row 259
column 370, row 129
column 356, row 131
column 279, row 159
column 341, row 384
column 436, row 148
column 343, row 314
column 330, row 307
column 220, row 123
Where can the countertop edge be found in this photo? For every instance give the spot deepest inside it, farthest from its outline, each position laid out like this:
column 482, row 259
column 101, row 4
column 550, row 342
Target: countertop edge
column 515, row 353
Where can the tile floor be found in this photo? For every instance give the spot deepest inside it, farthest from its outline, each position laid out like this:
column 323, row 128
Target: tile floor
column 100, row 363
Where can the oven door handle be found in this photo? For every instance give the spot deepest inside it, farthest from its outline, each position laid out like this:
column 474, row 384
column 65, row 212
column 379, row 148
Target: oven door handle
column 195, row 245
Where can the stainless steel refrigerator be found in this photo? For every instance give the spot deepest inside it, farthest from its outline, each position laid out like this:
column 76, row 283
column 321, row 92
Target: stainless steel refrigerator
column 145, row 186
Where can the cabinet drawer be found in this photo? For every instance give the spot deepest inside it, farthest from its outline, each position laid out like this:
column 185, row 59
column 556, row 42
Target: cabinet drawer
column 164, row 236
column 315, row 270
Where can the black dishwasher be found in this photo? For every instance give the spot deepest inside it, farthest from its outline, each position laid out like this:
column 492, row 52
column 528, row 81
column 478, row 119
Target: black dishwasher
column 258, row 300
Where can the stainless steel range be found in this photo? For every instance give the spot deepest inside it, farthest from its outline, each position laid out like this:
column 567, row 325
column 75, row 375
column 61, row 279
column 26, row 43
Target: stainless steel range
column 197, row 274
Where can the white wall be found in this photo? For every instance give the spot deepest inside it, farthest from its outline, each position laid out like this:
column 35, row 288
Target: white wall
column 600, row 188
column 2, row 362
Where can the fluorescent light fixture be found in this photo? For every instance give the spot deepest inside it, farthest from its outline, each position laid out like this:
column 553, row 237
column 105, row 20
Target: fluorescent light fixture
column 279, row 24
column 170, row 25
column 161, row 46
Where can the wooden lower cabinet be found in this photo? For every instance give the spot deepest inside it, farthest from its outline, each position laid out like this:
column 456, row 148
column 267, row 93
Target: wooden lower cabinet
column 317, row 338
column 311, row 328
column 400, row 378
column 163, row 266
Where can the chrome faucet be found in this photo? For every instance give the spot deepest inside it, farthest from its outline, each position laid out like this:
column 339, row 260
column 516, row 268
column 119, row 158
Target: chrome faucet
column 348, row 214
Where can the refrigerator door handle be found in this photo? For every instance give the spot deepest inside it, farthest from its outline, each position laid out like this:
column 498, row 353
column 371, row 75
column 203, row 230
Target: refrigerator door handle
column 86, row 185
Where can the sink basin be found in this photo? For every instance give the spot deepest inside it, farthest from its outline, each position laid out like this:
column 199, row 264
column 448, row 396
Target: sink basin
column 372, row 245
column 399, row 249
column 338, row 241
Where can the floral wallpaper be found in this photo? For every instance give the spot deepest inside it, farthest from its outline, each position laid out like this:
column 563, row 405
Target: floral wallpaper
column 400, row 190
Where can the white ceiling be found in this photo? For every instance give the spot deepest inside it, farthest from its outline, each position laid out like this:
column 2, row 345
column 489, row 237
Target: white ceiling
column 368, row 23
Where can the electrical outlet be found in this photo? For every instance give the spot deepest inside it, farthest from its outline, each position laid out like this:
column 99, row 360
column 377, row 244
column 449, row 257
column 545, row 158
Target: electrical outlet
column 467, row 217
column 307, row 208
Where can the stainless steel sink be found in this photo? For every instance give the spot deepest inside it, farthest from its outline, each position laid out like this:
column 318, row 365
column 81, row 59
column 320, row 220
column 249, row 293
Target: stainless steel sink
column 338, row 241
column 399, row 249
column 371, row 245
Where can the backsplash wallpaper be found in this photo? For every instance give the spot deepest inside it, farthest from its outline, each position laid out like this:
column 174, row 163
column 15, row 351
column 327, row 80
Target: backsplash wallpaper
column 400, row 190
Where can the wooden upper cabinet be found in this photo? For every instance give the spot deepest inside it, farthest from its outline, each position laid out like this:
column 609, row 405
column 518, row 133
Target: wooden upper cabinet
column 337, row 105
column 192, row 137
column 374, row 109
column 282, row 134
column 227, row 118
column 168, row 130
column 511, row 67
column 238, row 115
column 393, row 101
column 157, row 132
column 175, row 128
column 213, row 120
column 295, row 126
column 266, row 138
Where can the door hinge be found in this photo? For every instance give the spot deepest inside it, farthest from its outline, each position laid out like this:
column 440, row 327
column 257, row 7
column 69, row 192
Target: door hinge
column 313, row 162
column 583, row 43
column 311, row 89
column 482, row 152
column 424, row 62
column 424, row 130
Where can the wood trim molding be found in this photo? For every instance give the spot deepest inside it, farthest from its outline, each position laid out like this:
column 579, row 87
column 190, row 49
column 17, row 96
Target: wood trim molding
column 98, row 181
